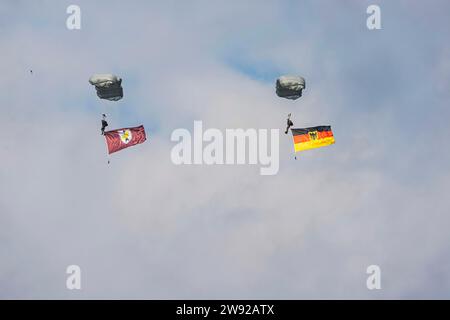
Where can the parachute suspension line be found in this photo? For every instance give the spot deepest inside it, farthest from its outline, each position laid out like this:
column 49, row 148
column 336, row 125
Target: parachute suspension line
column 108, row 157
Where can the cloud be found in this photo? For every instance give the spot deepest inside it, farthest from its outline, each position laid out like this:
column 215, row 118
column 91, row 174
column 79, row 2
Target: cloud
column 142, row 227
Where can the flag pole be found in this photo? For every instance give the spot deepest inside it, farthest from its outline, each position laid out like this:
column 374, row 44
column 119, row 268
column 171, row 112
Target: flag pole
column 289, row 127
column 103, row 132
column 107, row 153
column 295, row 154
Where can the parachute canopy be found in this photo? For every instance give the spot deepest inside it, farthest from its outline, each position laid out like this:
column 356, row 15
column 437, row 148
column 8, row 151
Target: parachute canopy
column 108, row 86
column 290, row 87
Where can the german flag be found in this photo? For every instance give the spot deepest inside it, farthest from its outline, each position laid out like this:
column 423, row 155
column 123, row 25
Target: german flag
column 310, row 138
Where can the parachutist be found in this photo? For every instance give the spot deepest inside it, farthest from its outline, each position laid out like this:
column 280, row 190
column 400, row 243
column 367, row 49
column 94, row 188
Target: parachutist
column 104, row 124
column 289, row 123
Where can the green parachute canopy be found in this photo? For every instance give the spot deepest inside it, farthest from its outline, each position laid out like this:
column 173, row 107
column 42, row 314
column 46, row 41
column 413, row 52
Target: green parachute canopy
column 290, row 87
column 108, row 86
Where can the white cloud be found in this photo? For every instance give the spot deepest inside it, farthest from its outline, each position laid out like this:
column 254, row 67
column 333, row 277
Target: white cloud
column 143, row 227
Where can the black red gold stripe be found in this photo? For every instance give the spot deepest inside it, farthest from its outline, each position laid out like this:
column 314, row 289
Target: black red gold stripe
column 313, row 137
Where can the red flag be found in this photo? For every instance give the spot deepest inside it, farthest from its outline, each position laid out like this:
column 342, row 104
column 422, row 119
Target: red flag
column 123, row 138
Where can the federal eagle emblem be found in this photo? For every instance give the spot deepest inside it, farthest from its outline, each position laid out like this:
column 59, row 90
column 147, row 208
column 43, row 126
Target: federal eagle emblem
column 313, row 135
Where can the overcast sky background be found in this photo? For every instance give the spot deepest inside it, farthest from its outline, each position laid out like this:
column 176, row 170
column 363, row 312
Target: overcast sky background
column 142, row 227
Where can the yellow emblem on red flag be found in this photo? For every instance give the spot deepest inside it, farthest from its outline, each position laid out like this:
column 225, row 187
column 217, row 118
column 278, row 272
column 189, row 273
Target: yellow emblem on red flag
column 123, row 138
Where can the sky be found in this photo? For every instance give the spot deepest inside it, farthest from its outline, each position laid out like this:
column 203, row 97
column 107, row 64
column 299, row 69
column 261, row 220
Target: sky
column 144, row 228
